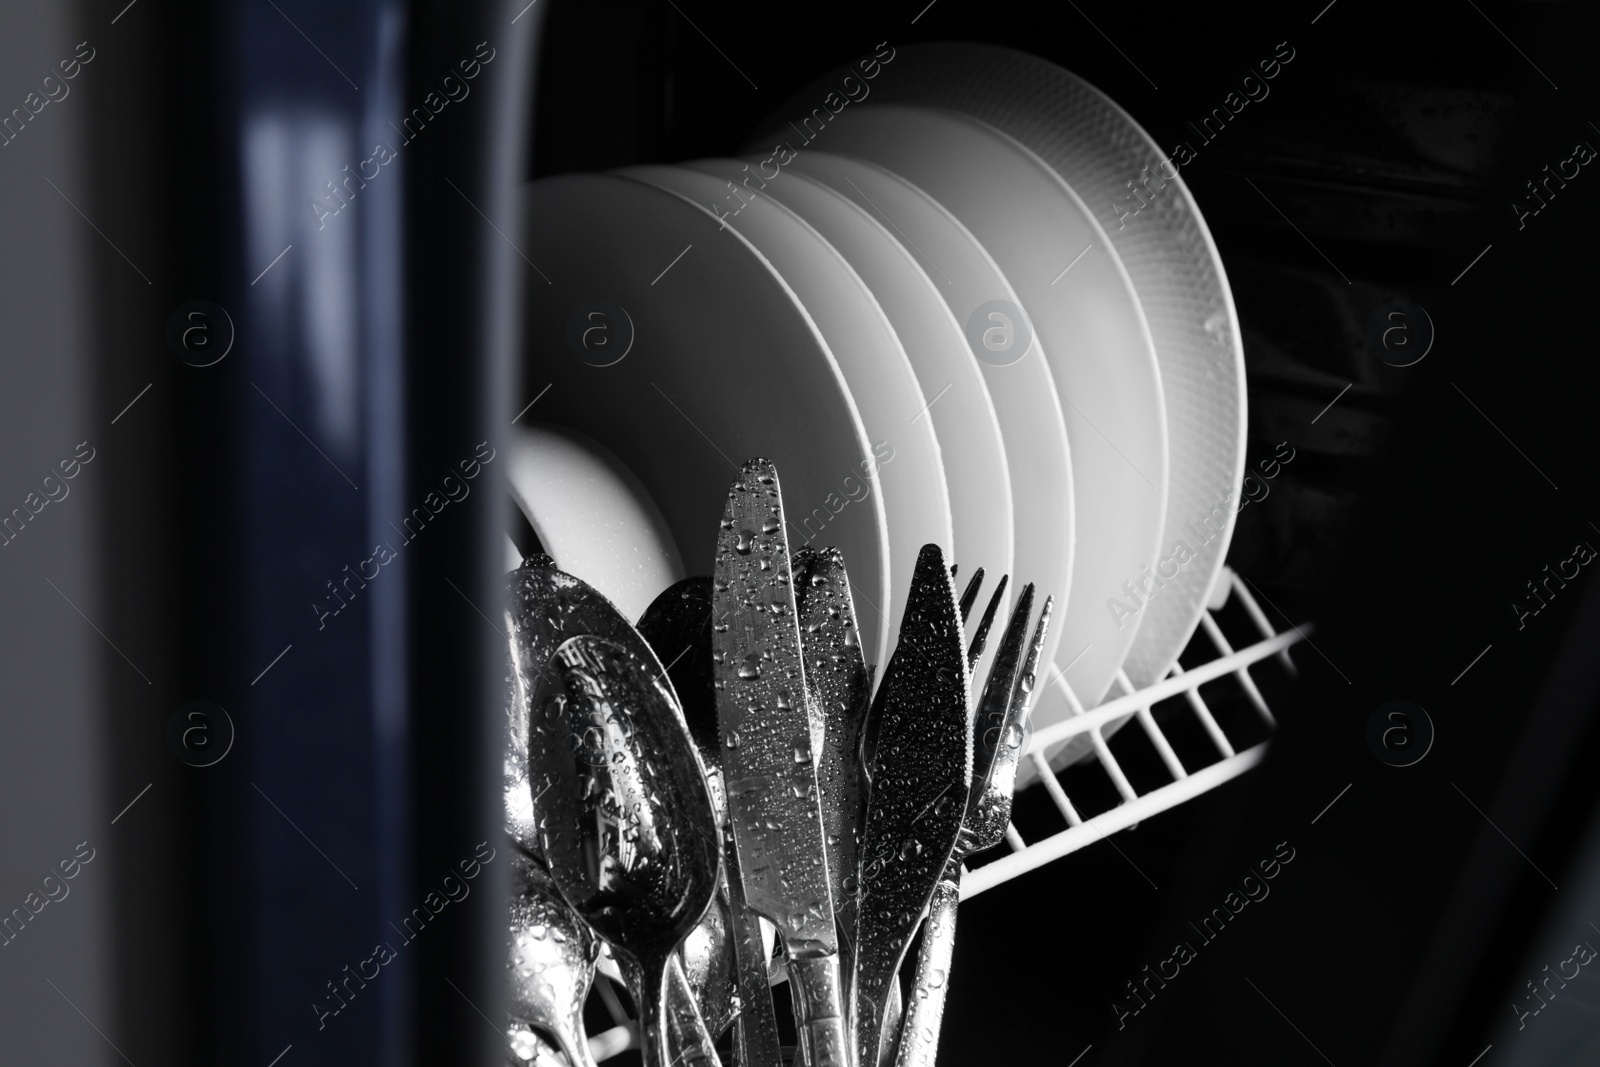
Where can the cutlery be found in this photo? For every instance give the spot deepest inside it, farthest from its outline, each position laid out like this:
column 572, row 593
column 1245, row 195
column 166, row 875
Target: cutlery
column 544, row 607
column 625, row 821
column 768, row 758
column 529, row 1048
column 998, row 734
column 552, row 960
column 677, row 624
column 922, row 765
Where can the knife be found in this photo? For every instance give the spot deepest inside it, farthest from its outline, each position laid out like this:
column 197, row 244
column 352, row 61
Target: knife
column 919, row 789
column 836, row 679
column 677, row 624
column 999, row 737
column 768, row 761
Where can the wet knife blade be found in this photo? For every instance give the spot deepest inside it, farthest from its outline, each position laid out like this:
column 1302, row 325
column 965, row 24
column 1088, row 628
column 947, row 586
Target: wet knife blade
column 677, row 624
column 769, row 766
column 836, row 679
column 919, row 789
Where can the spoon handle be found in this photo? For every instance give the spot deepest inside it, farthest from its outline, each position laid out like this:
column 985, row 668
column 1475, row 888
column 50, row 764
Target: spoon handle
column 919, row 1034
column 815, row 987
column 647, row 984
column 688, row 1040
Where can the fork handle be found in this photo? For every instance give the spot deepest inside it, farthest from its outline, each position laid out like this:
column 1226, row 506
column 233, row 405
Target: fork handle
column 818, row 1013
column 919, row 1034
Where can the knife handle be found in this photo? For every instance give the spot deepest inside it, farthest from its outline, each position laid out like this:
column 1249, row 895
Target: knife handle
column 919, row 1034
column 756, row 1027
column 818, row 1010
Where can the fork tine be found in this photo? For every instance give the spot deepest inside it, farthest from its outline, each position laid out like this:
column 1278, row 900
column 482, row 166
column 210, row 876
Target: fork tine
column 981, row 637
column 1021, row 702
column 970, row 594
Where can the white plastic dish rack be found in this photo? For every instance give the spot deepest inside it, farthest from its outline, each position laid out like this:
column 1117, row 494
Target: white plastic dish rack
column 1133, row 807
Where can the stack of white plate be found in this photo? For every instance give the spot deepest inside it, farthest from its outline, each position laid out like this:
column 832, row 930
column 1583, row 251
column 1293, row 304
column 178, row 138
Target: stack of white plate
column 961, row 301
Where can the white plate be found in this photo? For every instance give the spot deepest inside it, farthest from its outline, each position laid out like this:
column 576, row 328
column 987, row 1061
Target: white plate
column 954, row 396
column 1082, row 304
column 876, row 370
column 718, row 363
column 1164, row 242
column 592, row 516
column 1023, row 394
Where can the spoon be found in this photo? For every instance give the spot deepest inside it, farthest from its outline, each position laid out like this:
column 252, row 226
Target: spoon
column 544, row 607
column 626, row 822
column 551, row 962
column 678, row 626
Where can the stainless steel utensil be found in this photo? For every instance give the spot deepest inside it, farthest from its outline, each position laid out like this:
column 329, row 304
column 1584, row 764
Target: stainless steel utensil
column 678, row 626
column 551, row 962
column 837, row 682
column 625, row 819
column 998, row 735
column 544, row 607
column 923, row 764
column 841, row 690
column 768, row 758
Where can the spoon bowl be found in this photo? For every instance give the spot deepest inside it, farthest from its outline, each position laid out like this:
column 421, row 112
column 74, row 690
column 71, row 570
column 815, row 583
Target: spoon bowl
column 551, row 962
column 625, row 816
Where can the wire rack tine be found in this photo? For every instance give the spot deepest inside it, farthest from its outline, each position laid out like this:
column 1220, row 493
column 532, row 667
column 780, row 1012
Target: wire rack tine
column 1112, row 767
column 1214, row 632
column 1052, row 786
column 1157, row 738
column 1257, row 616
column 1218, row 738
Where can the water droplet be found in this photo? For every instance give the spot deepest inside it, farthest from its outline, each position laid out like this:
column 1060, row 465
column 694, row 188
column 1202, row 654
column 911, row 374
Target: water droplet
column 1025, row 683
column 942, row 805
column 751, row 668
column 732, row 739
column 744, row 543
column 909, row 848
column 524, row 1045
column 1013, row 736
column 771, row 525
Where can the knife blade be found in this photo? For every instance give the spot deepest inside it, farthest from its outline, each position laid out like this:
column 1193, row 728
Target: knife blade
column 918, row 793
column 999, row 736
column 677, row 624
column 836, row 678
column 769, row 765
